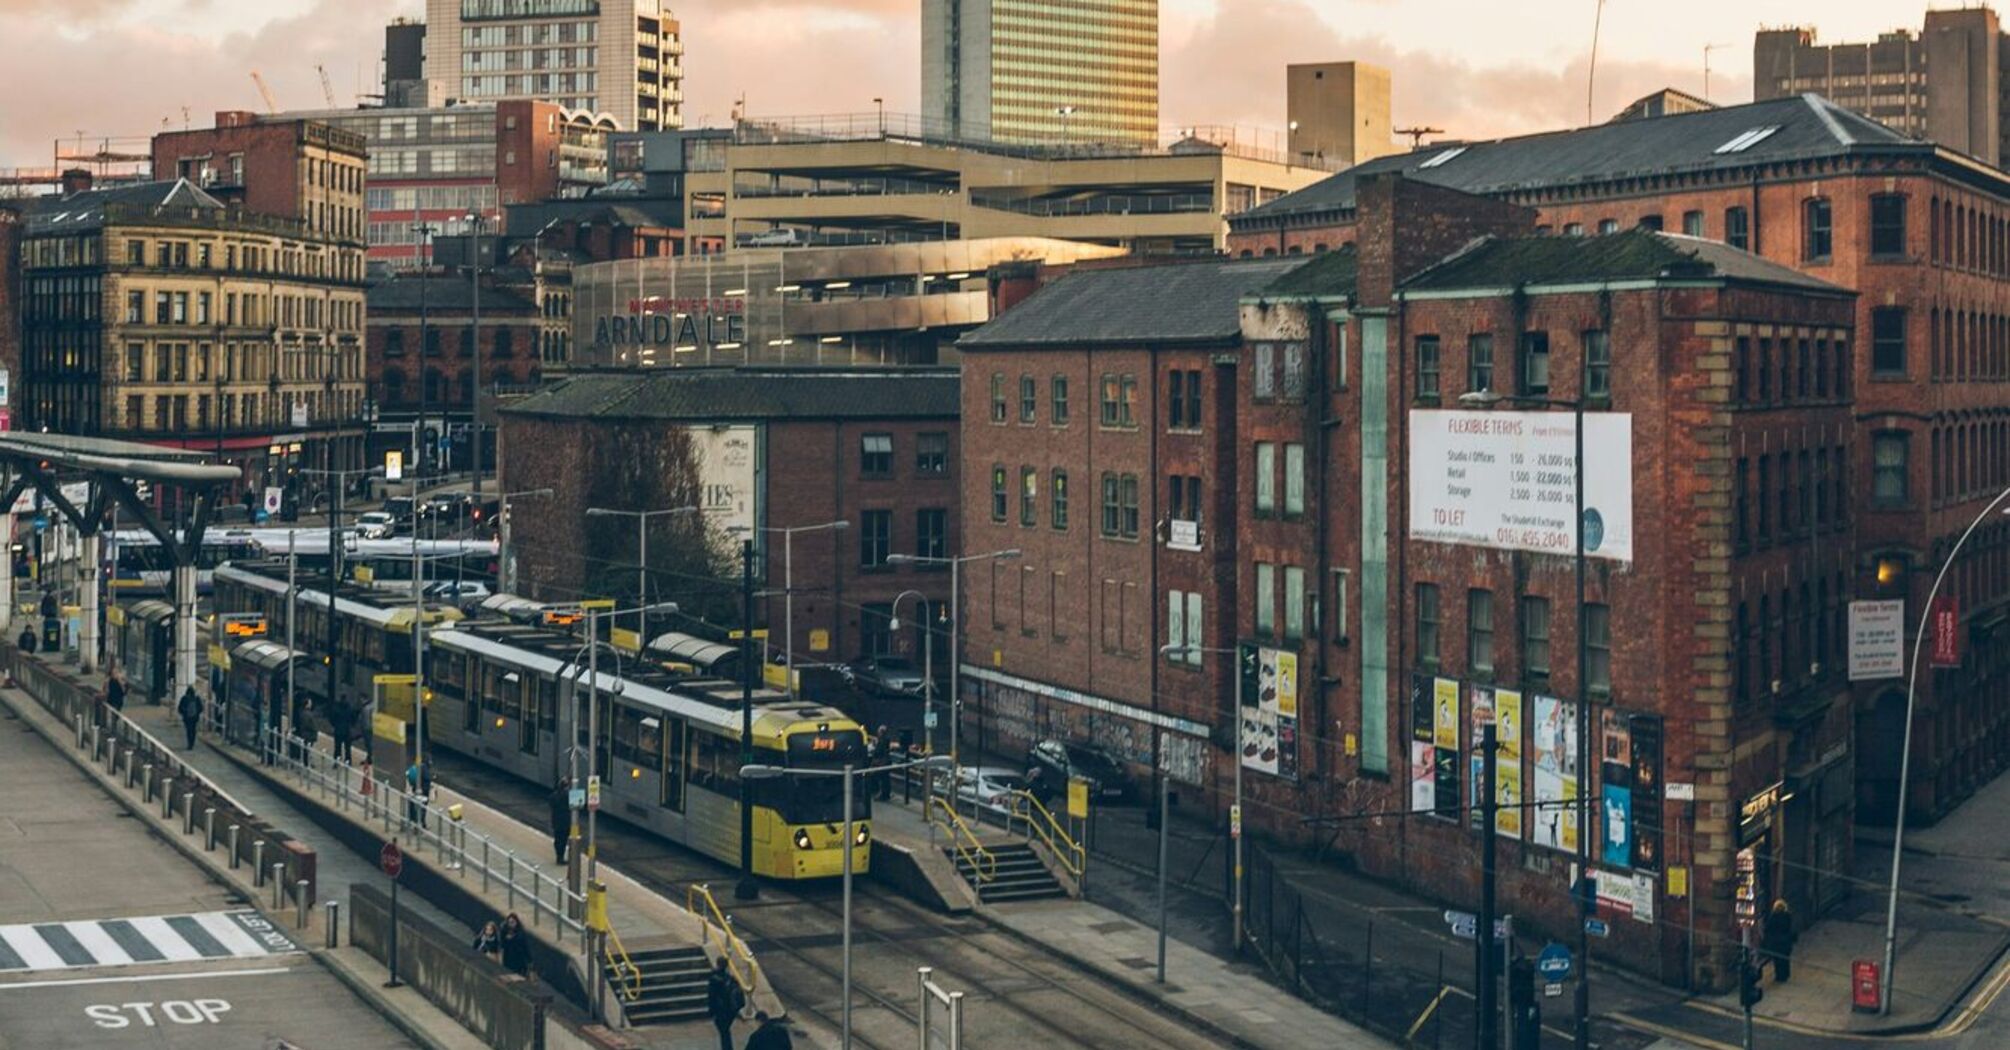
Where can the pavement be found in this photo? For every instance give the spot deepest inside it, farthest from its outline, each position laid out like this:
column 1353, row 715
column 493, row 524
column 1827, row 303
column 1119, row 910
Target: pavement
column 110, row 936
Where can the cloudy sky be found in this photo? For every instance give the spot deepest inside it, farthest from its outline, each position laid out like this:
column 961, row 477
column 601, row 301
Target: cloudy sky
column 1475, row 67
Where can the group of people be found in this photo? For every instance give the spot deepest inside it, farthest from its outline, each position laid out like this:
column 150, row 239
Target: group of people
column 725, row 1001
column 505, row 943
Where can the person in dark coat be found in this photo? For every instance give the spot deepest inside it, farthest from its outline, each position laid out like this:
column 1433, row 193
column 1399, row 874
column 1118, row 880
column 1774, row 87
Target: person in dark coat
column 489, row 941
column 882, row 755
column 1777, row 941
column 115, row 690
column 723, row 1001
column 190, row 710
column 560, row 801
column 27, row 640
column 772, row 1035
column 341, row 727
column 515, row 945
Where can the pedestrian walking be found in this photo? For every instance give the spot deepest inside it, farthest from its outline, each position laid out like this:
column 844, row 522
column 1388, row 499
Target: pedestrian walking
column 27, row 640
column 190, row 710
column 515, row 945
column 418, row 790
column 723, row 1001
column 489, row 941
column 115, row 690
column 882, row 751
column 560, row 801
column 1777, row 942
column 772, row 1034
column 341, row 727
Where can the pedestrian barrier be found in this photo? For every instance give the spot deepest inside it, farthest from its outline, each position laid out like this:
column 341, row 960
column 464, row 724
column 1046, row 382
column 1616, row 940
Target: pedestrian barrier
column 1040, row 821
column 719, row 935
column 968, row 848
column 426, row 828
column 503, row 1013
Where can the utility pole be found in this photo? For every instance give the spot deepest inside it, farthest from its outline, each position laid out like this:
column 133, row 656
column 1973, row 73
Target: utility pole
column 475, row 339
column 1487, row 948
column 748, row 889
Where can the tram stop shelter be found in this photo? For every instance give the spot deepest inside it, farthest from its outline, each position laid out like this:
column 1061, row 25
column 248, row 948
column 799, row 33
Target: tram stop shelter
column 111, row 472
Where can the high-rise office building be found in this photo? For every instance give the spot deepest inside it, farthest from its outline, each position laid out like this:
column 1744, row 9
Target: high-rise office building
column 1041, row 70
column 1339, row 112
column 1944, row 84
column 620, row 57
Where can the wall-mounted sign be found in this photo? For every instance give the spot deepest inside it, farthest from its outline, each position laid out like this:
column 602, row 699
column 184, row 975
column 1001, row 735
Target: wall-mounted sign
column 1508, row 480
column 1944, row 630
column 677, row 325
column 1876, row 639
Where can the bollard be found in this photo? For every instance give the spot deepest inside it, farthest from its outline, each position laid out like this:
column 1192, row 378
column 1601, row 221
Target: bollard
column 234, row 862
column 334, row 919
column 209, row 829
column 278, row 881
column 147, row 793
column 167, row 797
column 80, row 729
column 300, row 903
column 258, row 863
column 188, row 812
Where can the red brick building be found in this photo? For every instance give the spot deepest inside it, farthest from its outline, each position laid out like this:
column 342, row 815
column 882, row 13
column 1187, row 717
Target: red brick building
column 461, row 359
column 296, row 169
column 1923, row 233
column 765, row 448
column 1292, row 419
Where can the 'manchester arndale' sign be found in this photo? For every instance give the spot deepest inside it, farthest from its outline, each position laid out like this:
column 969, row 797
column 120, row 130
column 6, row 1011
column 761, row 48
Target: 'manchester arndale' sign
column 681, row 324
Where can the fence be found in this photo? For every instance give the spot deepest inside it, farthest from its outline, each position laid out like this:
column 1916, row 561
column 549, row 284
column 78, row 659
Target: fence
column 448, row 974
column 425, row 828
column 127, row 751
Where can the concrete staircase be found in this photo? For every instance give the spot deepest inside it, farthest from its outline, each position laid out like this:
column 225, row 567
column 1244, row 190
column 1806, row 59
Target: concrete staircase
column 672, row 985
column 1020, row 875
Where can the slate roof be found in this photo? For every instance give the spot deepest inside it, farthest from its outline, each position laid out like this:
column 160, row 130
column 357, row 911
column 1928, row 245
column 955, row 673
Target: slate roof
column 78, row 211
column 752, row 393
column 1329, row 274
column 1634, row 255
column 401, row 295
column 1174, row 303
column 1807, row 126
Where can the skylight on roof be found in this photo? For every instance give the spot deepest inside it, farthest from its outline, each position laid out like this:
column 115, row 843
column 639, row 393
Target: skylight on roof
column 1748, row 138
column 1443, row 157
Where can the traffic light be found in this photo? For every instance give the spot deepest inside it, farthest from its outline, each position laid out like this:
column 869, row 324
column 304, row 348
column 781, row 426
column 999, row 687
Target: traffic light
column 1749, row 992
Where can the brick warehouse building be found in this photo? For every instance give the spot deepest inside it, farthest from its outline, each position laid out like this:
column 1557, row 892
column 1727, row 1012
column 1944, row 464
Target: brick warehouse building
column 762, row 447
column 442, row 383
column 1923, row 234
column 1297, row 438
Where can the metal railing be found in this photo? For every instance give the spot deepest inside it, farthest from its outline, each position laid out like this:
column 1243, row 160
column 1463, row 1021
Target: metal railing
column 983, row 864
column 615, row 955
column 1042, row 822
column 428, row 827
column 698, row 900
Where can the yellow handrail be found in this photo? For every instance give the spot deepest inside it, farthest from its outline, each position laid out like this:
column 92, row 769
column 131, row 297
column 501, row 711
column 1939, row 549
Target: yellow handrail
column 1071, row 854
column 698, row 900
column 619, row 962
column 983, row 865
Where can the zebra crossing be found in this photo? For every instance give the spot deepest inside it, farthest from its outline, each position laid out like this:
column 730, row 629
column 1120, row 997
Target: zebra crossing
column 32, row 947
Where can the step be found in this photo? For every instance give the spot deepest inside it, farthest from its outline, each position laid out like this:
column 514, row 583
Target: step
column 638, row 1014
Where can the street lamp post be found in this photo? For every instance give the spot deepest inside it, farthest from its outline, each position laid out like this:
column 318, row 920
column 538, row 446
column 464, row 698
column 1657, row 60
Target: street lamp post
column 789, row 589
column 1581, row 1027
column 506, row 578
column 851, row 840
column 927, row 664
column 1235, row 813
column 592, row 649
column 641, row 555
column 475, row 344
column 955, row 636
column 1905, row 754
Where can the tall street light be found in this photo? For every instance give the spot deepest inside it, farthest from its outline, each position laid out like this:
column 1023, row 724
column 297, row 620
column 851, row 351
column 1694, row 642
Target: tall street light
column 1582, row 1001
column 789, row 588
column 927, row 661
column 474, row 259
column 591, row 649
column 506, row 578
column 1235, row 813
column 851, row 840
column 641, row 555
column 955, row 634
column 1905, row 754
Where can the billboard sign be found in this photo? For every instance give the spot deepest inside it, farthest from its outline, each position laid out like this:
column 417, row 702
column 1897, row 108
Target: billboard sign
column 727, row 465
column 1876, row 639
column 1944, row 623
column 1508, row 480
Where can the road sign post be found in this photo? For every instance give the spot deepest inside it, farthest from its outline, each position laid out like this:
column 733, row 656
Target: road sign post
column 392, row 860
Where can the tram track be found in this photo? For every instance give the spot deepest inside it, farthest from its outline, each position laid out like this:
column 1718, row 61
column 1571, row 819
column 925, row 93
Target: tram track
column 1013, row 990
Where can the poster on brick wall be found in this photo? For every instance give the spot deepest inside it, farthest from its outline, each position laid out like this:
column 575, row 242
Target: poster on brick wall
column 1423, row 754
column 1553, row 738
column 1445, row 739
column 1647, row 792
column 1270, row 724
column 1507, row 767
column 1616, row 780
column 1480, row 702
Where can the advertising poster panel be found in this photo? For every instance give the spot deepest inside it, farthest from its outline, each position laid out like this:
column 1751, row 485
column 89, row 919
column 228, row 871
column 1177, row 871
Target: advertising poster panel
column 1507, row 768
column 1508, row 480
column 1554, row 741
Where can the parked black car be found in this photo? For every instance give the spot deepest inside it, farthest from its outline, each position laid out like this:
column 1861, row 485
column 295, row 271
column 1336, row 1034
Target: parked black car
column 1060, row 762
column 885, row 675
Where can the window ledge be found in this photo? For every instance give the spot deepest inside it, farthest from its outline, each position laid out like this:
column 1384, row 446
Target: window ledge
column 1890, row 377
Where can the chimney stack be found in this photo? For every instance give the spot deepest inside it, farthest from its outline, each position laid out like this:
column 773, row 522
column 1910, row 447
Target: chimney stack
column 75, row 181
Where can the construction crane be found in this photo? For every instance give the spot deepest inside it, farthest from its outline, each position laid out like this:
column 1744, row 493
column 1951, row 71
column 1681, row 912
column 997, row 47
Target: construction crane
column 327, row 89
column 271, row 104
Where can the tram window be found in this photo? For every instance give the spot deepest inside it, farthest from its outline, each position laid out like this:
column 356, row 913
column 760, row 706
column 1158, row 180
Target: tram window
column 471, row 714
column 715, row 762
column 547, row 705
column 635, row 736
column 672, row 744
